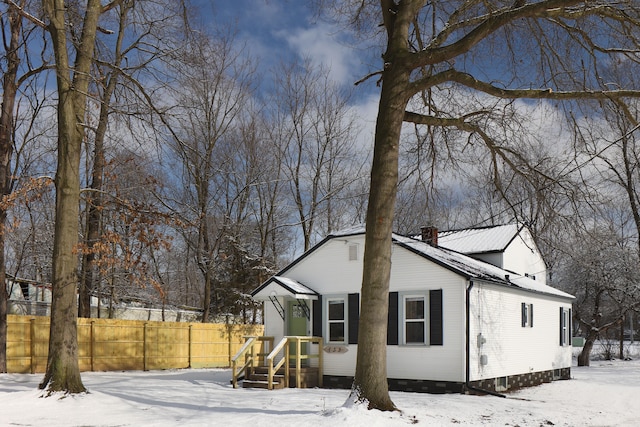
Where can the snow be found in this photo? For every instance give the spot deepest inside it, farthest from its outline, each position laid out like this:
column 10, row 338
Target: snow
column 477, row 269
column 604, row 394
column 296, row 287
column 479, row 240
column 467, row 265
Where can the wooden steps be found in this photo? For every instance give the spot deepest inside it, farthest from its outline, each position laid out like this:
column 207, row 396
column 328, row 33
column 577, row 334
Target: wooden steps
column 259, row 378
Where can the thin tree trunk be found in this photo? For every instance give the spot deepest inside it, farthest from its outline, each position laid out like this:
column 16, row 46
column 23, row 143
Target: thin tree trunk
column 10, row 89
column 584, row 358
column 94, row 217
column 621, row 347
column 4, row 298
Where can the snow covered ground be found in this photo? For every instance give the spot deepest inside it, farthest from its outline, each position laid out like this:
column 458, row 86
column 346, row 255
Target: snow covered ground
column 605, row 394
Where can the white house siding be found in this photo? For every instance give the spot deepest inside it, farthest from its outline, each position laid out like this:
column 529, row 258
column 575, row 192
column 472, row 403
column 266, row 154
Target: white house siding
column 341, row 364
column 328, row 270
column 273, row 324
column 523, row 257
column 411, row 272
column 510, row 348
column 330, row 273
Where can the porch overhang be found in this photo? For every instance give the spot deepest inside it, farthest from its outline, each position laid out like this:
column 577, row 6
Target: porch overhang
column 278, row 286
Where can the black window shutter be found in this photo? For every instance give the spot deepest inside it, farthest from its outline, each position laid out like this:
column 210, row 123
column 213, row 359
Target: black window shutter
column 392, row 324
column 531, row 315
column 435, row 317
column 354, row 317
column 523, row 310
column 317, row 317
column 570, row 327
column 561, row 319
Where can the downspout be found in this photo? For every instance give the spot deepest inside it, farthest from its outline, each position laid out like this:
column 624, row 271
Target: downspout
column 468, row 352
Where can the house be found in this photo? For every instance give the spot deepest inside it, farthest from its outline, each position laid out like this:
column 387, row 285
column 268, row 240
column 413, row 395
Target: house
column 28, row 297
column 510, row 247
column 457, row 323
column 33, row 298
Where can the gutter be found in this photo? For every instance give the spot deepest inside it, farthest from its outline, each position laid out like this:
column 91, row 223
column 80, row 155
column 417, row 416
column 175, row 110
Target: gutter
column 468, row 350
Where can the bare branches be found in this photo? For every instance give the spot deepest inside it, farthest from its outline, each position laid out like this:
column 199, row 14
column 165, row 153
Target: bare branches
column 471, row 82
column 26, row 14
column 482, row 26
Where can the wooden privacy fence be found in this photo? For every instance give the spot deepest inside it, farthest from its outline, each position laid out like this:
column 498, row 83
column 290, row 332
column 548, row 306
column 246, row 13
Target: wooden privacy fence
column 115, row 345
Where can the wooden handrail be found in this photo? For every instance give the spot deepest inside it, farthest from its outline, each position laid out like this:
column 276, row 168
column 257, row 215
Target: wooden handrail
column 251, row 357
column 285, row 344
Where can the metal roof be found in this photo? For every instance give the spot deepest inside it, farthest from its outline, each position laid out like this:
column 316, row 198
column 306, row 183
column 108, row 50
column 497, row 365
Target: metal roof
column 476, row 269
column 479, row 240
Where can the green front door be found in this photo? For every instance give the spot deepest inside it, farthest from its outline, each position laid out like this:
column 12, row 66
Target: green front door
column 297, row 323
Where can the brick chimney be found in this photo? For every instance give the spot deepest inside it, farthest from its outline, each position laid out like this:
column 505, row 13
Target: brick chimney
column 430, row 235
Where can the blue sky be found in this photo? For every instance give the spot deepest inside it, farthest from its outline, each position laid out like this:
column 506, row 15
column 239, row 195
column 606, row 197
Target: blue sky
column 280, row 30
column 277, row 30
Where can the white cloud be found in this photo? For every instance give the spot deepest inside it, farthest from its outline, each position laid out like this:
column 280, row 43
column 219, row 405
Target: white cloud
column 321, row 43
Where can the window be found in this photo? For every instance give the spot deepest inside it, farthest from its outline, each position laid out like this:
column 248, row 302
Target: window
column 565, row 326
column 336, row 320
column 353, row 252
column 527, row 315
column 414, row 321
column 416, row 318
column 502, row 384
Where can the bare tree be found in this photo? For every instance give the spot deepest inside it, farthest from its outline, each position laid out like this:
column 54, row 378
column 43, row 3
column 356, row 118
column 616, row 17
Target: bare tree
column 315, row 132
column 599, row 269
column 63, row 372
column 215, row 84
column 146, row 33
column 10, row 89
column 453, row 66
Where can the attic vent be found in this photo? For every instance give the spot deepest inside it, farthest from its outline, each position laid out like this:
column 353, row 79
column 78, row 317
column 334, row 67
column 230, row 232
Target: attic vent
column 353, row 252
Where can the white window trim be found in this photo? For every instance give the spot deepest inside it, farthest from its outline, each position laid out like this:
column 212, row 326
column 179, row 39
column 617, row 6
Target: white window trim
column 528, row 310
column 327, row 322
column 403, row 296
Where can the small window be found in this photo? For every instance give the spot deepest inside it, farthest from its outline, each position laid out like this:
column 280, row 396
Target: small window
column 565, row 326
column 298, row 311
column 557, row 374
column 415, row 320
column 527, row 315
column 502, row 384
column 336, row 320
column 353, row 252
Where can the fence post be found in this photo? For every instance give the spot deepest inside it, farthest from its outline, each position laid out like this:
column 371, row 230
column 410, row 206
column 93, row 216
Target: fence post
column 92, row 341
column 230, row 331
column 190, row 343
column 32, row 344
column 144, row 348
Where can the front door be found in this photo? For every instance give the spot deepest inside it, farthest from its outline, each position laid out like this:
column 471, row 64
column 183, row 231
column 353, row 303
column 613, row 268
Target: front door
column 297, row 323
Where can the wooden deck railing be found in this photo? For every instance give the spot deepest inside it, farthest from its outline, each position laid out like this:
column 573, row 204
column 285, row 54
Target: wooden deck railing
column 285, row 345
column 250, row 355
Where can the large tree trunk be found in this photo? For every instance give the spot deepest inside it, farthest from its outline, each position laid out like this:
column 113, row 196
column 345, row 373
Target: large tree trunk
column 10, row 89
column 63, row 372
column 370, row 382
